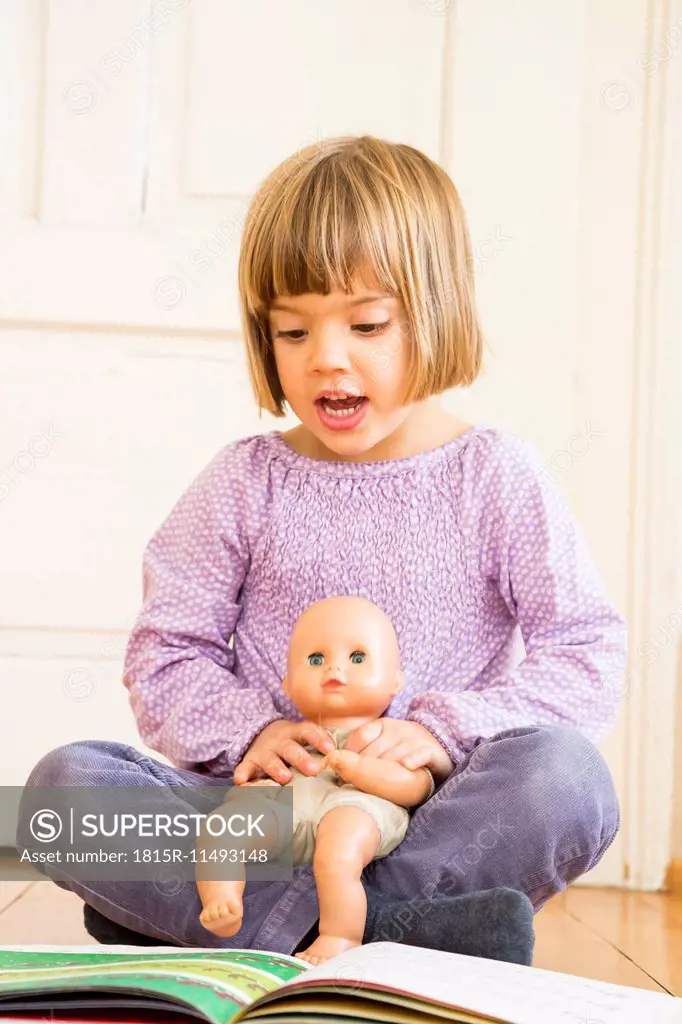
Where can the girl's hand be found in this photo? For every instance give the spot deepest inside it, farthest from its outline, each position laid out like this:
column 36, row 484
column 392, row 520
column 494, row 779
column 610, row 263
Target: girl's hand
column 278, row 745
column 260, row 782
column 397, row 740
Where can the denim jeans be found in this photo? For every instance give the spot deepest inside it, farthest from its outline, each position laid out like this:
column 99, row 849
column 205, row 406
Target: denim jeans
column 530, row 809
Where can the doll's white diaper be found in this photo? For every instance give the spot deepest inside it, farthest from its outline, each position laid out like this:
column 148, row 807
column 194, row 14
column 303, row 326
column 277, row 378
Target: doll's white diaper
column 312, row 798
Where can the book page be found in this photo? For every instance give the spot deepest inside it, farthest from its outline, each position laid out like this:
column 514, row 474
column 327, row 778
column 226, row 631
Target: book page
column 337, row 1008
column 96, row 947
column 218, row 984
column 508, row 992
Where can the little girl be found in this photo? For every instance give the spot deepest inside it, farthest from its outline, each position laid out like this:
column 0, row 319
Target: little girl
column 357, row 297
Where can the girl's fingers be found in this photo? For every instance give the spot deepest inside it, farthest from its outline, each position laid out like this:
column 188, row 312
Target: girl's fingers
column 275, row 767
column 245, row 770
column 400, row 750
column 293, row 753
column 418, row 758
column 362, row 738
column 315, row 736
column 378, row 747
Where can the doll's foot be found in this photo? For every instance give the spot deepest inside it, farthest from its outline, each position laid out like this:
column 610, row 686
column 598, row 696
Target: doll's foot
column 223, row 917
column 325, row 947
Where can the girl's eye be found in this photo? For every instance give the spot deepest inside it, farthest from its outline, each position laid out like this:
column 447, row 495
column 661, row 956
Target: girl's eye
column 366, row 330
column 315, row 659
column 357, row 657
column 371, row 328
column 289, row 334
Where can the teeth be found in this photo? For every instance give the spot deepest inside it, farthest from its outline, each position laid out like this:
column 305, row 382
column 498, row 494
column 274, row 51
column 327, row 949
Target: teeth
column 339, row 413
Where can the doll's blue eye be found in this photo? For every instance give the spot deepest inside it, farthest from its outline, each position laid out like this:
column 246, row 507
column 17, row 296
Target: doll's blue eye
column 315, row 659
column 357, row 657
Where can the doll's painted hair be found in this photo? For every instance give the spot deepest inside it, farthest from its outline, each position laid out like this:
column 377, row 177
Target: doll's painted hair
column 356, row 203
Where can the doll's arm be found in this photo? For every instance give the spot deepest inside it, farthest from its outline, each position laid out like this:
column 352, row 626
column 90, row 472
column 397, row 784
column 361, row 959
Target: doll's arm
column 388, row 779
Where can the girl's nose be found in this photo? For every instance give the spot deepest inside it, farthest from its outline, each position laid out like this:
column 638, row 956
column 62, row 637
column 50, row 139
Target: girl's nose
column 329, row 352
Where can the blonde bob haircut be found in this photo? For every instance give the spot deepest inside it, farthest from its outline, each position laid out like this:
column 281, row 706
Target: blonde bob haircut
column 359, row 204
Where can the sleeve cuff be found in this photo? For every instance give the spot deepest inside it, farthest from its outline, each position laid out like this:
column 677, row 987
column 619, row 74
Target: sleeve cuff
column 226, row 763
column 455, row 752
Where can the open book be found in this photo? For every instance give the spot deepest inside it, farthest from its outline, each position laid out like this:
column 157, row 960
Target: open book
column 380, row 981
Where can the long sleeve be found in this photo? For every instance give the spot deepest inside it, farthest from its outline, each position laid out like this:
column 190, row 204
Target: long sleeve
column 178, row 667
column 530, row 548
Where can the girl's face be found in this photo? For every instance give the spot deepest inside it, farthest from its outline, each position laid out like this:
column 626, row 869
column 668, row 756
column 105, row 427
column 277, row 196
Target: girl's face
column 354, row 347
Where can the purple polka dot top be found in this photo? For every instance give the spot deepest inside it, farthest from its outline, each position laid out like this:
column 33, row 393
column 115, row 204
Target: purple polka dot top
column 469, row 548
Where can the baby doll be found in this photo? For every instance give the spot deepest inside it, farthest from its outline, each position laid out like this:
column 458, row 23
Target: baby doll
column 343, row 670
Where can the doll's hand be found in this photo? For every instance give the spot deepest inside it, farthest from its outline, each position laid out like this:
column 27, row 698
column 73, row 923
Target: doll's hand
column 397, row 740
column 340, row 761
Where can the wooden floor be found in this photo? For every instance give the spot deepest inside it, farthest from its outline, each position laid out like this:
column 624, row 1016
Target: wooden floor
column 627, row 938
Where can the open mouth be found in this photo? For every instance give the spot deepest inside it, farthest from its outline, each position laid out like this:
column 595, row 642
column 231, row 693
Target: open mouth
column 342, row 407
column 342, row 413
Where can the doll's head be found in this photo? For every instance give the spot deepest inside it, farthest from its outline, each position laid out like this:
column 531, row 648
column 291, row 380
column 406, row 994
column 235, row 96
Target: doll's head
column 337, row 222
column 343, row 661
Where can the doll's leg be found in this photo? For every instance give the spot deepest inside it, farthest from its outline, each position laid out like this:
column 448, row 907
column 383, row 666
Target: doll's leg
column 346, row 841
column 222, row 899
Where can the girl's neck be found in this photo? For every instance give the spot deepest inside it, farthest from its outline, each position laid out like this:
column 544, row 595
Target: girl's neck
column 428, row 427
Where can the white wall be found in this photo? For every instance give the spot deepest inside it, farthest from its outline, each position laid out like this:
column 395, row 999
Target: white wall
column 134, row 134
